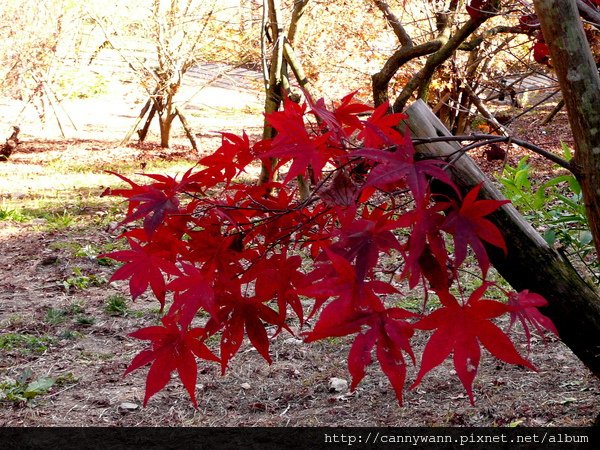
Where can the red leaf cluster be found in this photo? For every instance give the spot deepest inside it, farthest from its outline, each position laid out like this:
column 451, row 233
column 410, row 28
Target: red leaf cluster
column 541, row 53
column 242, row 263
column 480, row 9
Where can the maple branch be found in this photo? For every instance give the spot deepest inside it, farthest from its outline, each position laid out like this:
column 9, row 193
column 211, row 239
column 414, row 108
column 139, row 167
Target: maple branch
column 560, row 105
column 495, row 138
column 476, row 42
column 482, row 109
column 536, row 104
column 450, row 45
column 407, row 52
column 297, row 69
column 273, row 92
column 381, row 79
column 462, row 151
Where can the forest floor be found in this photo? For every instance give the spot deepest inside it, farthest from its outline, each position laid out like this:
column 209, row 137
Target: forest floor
column 63, row 328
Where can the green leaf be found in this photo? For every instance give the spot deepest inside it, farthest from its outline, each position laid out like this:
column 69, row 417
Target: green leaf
column 585, row 238
column 522, row 165
column 574, row 185
column 557, row 180
column 550, row 237
column 539, row 198
column 567, row 152
column 39, row 386
column 522, row 179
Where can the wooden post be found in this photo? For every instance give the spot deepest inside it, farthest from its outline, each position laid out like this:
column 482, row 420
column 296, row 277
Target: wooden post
column 144, row 131
column 137, row 122
column 187, row 128
column 560, row 105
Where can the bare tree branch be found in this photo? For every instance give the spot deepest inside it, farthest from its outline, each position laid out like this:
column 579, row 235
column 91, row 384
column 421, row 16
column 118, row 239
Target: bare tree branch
column 381, row 79
column 438, row 58
column 591, row 15
column 394, row 23
column 297, row 13
column 476, row 42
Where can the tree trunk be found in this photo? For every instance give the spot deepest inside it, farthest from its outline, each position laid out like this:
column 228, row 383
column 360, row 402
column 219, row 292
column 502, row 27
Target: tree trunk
column 273, row 87
column 464, row 110
column 530, row 263
column 580, row 85
column 166, row 121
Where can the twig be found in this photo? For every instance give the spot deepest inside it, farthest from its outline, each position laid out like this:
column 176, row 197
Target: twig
column 495, row 138
column 483, row 110
column 62, row 390
column 531, row 108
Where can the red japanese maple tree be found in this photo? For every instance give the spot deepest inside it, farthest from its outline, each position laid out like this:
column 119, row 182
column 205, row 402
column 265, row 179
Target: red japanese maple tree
column 248, row 256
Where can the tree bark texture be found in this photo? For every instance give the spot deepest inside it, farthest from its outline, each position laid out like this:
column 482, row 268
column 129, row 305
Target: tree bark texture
column 165, row 122
column 574, row 306
column 580, row 85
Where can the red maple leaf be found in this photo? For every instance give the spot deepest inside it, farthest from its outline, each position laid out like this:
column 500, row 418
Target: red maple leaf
column 362, row 240
column 317, row 235
column 339, row 279
column 399, row 166
column 425, row 247
column 153, row 206
column 341, row 192
column 144, row 268
column 327, row 117
column 347, row 113
column 379, row 130
column 434, row 270
column 461, row 330
column 154, row 202
column 192, row 291
column 469, row 227
column 541, row 53
column 173, row 348
column 279, row 277
column 529, row 22
column 240, row 312
column 304, row 151
column 480, row 9
column 294, row 143
column 214, row 250
column 388, row 332
column 339, row 318
column 524, row 307
column 230, row 159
